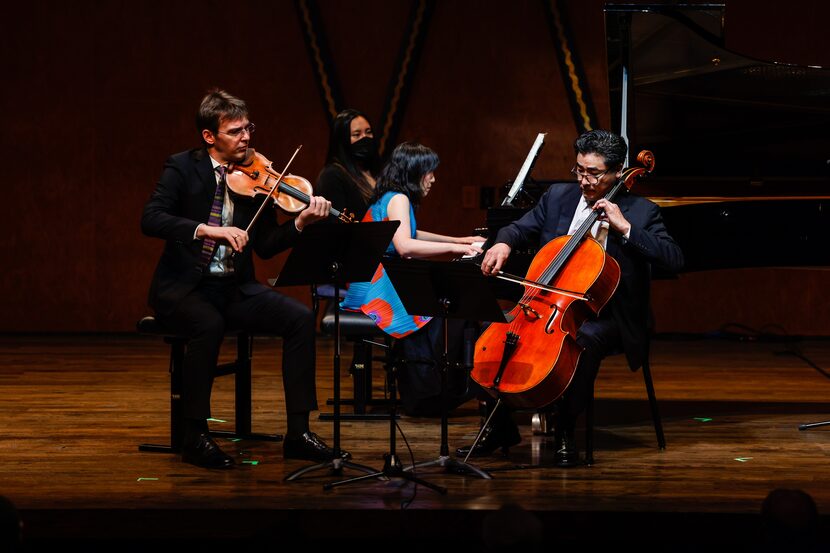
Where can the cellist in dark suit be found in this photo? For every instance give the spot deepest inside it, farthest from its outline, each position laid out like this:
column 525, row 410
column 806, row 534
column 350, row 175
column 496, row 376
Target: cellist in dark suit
column 199, row 289
column 632, row 232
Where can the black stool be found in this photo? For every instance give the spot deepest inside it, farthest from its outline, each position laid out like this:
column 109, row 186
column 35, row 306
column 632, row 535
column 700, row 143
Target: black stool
column 241, row 368
column 362, row 331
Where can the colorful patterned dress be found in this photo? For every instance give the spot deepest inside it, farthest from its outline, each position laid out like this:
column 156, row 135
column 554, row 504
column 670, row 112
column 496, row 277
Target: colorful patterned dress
column 378, row 298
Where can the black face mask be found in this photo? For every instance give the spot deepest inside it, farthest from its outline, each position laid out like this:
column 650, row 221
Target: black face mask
column 365, row 149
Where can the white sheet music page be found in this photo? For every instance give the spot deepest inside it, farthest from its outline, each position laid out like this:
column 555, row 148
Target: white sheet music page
column 523, row 172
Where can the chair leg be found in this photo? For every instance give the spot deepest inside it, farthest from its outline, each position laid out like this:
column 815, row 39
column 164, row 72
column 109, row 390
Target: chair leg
column 361, row 359
column 652, row 401
column 361, row 371
column 176, row 406
column 589, row 429
column 243, row 404
column 242, row 381
column 177, row 348
column 655, row 415
column 241, row 368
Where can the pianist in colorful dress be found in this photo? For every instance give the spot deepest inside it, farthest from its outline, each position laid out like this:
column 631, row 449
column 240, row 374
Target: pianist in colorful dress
column 403, row 182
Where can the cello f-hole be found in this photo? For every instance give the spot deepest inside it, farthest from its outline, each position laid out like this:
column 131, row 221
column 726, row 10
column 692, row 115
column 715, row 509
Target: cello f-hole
column 549, row 326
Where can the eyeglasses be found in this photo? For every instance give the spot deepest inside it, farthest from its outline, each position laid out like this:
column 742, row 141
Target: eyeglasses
column 592, row 179
column 237, row 132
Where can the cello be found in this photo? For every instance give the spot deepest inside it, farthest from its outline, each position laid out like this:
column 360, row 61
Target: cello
column 529, row 361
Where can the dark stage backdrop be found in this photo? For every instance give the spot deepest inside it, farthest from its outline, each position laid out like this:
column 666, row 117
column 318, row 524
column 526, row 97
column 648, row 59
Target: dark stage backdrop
column 97, row 94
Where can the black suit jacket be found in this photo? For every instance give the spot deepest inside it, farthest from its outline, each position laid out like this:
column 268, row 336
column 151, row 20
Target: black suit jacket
column 649, row 243
column 180, row 202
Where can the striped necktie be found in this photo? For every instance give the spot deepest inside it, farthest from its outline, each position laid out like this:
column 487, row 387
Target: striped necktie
column 215, row 219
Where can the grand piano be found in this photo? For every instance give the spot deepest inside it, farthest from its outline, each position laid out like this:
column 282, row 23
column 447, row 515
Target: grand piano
column 741, row 145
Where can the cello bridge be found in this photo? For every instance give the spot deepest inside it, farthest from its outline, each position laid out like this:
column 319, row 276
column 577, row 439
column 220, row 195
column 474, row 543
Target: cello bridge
column 528, row 311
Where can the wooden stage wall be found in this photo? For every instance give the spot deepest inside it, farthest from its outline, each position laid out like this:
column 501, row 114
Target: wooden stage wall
column 97, row 95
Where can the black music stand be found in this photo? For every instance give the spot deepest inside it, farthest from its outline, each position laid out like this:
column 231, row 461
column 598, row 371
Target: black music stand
column 336, row 254
column 451, row 290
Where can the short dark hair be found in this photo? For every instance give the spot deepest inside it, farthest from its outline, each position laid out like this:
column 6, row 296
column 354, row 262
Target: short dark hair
column 403, row 172
column 218, row 105
column 611, row 147
column 789, row 516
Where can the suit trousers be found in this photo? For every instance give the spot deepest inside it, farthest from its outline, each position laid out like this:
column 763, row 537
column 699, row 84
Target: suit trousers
column 598, row 338
column 217, row 305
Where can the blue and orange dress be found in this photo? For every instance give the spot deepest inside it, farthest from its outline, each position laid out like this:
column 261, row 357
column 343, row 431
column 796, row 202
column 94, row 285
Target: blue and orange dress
column 378, row 298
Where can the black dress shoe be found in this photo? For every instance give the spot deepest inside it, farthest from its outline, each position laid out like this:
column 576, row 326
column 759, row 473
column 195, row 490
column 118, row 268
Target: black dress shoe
column 200, row 450
column 497, row 435
column 310, row 447
column 567, row 454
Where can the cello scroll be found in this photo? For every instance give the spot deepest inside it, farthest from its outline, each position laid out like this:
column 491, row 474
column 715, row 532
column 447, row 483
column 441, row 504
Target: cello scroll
column 630, row 174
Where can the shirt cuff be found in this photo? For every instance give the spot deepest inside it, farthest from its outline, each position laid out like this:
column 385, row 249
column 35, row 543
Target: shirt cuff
column 195, row 232
column 296, row 227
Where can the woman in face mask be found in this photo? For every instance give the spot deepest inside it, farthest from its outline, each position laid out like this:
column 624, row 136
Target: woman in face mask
column 348, row 179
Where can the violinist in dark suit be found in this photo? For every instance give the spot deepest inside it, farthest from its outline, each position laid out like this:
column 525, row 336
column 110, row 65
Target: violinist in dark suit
column 632, row 232
column 200, row 289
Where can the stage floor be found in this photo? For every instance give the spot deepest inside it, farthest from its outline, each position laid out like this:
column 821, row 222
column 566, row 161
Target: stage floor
column 75, row 408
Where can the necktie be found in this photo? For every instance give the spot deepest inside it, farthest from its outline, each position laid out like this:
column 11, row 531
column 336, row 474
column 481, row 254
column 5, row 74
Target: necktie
column 215, row 218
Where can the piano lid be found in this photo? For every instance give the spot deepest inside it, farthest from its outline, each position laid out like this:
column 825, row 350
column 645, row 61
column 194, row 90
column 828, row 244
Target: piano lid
column 740, row 144
column 719, row 124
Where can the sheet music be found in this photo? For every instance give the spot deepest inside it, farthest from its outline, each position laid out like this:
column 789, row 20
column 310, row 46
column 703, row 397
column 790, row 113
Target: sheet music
column 525, row 170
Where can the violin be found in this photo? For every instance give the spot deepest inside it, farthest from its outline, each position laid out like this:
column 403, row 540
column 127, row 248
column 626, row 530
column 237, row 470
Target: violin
column 529, row 362
column 255, row 176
